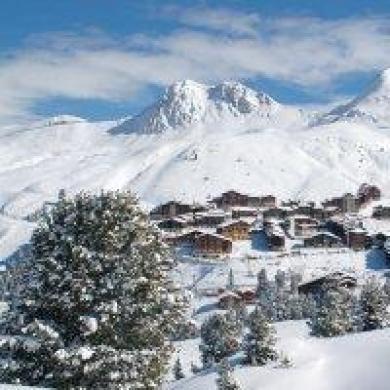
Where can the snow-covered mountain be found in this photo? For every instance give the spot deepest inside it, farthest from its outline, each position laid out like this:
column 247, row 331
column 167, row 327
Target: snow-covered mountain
column 187, row 104
column 195, row 142
column 372, row 106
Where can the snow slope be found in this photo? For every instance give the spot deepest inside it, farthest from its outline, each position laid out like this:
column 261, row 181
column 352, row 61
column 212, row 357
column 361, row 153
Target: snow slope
column 358, row 361
column 373, row 106
column 195, row 142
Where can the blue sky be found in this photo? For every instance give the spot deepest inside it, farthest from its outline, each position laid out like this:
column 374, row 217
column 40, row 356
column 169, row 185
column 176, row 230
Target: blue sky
column 105, row 59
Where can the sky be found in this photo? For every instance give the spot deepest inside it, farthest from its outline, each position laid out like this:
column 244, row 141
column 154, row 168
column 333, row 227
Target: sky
column 105, row 59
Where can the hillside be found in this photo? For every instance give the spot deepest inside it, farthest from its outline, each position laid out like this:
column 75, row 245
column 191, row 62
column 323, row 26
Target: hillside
column 195, row 142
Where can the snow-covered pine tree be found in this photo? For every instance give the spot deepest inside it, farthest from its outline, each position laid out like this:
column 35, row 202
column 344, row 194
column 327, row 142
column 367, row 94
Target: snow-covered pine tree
column 99, row 309
column 178, row 370
column 219, row 334
column 295, row 279
column 373, row 305
column 280, row 280
column 226, row 379
column 259, row 342
column 265, row 292
column 386, row 289
column 230, row 281
column 333, row 315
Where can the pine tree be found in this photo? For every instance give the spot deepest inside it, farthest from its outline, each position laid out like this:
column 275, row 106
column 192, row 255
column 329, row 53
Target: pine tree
column 259, row 343
column 265, row 293
column 333, row 315
column 219, row 334
column 98, row 310
column 230, row 282
column 280, row 280
column 178, row 370
column 373, row 305
column 226, row 379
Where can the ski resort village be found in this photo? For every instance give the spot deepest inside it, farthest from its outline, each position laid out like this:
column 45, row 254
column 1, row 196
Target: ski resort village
column 194, row 195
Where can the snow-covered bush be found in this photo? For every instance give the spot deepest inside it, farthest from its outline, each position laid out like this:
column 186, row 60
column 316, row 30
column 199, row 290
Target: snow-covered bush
column 99, row 309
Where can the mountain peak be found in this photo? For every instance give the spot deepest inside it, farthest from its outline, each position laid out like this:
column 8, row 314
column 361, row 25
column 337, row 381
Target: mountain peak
column 188, row 103
column 372, row 106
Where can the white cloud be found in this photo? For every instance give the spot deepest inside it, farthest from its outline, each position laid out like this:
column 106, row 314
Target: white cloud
column 213, row 45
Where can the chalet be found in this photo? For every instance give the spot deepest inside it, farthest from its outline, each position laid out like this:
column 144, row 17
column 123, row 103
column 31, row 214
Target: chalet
column 172, row 224
column 275, row 212
column 357, row 239
column 212, row 244
column 276, row 241
column 239, row 212
column 228, row 299
column 381, row 212
column 267, row 201
column 336, row 227
column 235, row 230
column 211, row 218
column 368, row 193
column 304, row 226
column 335, row 280
column 293, row 204
column 170, row 209
column 275, row 237
column 231, row 199
column 348, row 203
column 188, row 238
column 247, row 295
column 323, row 240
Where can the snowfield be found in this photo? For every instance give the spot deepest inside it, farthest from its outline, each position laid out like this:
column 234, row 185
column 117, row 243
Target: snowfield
column 357, row 361
column 191, row 145
column 195, row 142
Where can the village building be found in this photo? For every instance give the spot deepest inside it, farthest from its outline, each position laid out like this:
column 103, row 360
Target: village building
column 212, row 244
column 358, row 239
column 247, row 295
column 188, row 238
column 276, row 241
column 334, row 280
column 228, row 299
column 304, row 226
column 381, row 212
column 368, row 193
column 322, row 240
column 230, row 199
column 235, row 230
column 239, row 212
column 275, row 212
column 348, row 203
column 170, row 209
column 211, row 218
column 172, row 224
column 267, row 201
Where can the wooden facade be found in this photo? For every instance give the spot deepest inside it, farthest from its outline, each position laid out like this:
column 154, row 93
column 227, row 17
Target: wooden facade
column 357, row 239
column 213, row 244
column 323, row 240
column 235, row 230
column 170, row 209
